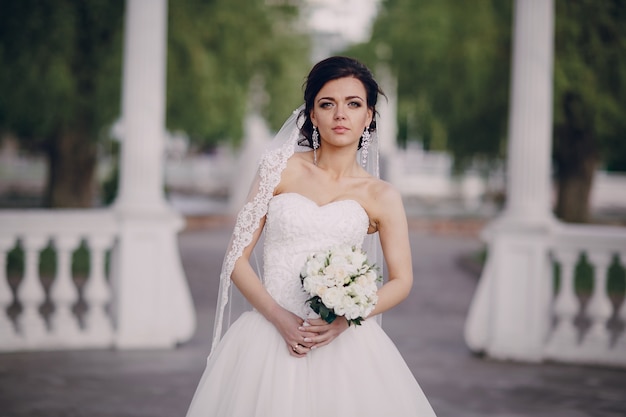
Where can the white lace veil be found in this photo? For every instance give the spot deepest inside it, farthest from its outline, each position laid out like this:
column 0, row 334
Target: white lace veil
column 230, row 302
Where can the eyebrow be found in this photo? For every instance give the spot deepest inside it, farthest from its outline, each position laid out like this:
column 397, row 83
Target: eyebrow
column 347, row 98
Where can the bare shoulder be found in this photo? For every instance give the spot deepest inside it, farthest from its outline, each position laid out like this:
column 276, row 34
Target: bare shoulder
column 298, row 167
column 299, row 161
column 383, row 193
column 299, row 158
column 385, row 202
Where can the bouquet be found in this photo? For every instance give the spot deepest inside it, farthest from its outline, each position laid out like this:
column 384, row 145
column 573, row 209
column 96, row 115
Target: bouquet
column 340, row 282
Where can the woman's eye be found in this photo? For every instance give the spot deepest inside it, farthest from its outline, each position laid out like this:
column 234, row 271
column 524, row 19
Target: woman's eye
column 326, row 105
column 354, row 104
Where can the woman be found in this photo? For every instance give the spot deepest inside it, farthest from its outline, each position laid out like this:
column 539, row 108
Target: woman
column 277, row 359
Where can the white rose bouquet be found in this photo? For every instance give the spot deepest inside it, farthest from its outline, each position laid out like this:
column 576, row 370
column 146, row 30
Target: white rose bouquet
column 341, row 282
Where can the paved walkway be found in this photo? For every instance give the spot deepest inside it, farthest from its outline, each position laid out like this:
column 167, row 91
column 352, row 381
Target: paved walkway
column 427, row 329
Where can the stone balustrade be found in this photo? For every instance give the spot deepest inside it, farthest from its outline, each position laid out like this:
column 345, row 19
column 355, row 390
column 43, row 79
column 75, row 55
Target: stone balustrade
column 589, row 323
column 145, row 302
column 24, row 322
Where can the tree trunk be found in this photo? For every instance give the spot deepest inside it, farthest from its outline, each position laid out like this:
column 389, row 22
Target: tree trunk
column 71, row 171
column 576, row 158
column 574, row 192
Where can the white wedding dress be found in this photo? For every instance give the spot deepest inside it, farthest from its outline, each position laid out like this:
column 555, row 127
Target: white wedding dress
column 360, row 373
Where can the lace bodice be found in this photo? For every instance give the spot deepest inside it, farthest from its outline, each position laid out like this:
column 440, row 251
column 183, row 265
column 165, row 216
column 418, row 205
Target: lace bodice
column 296, row 227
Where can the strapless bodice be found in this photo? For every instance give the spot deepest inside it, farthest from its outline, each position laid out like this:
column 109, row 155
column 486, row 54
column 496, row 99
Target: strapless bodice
column 295, row 227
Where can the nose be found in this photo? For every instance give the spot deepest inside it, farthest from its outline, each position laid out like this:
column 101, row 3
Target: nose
column 339, row 113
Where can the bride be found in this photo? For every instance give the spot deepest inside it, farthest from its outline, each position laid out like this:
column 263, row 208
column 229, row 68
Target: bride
column 316, row 187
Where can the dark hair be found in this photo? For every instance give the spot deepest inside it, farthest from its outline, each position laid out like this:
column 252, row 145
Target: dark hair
column 331, row 69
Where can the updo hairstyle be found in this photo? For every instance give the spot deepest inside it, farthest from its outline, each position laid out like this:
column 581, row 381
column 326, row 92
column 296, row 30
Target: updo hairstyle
column 331, row 69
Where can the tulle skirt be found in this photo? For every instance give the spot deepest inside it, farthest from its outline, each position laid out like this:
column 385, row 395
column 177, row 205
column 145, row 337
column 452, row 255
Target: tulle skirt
column 360, row 373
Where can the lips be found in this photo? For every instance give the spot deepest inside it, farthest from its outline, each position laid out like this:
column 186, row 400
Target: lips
column 340, row 129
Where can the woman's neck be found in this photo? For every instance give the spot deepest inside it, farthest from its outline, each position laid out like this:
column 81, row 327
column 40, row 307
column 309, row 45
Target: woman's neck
column 338, row 163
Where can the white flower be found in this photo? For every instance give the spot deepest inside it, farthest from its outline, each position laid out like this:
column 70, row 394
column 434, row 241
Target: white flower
column 333, row 297
column 344, row 282
column 371, row 276
column 359, row 259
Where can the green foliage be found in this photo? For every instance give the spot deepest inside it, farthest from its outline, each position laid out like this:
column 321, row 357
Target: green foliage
column 60, row 67
column 15, row 262
column 583, row 277
column 215, row 49
column 48, row 261
column 590, row 75
column 326, row 314
column 451, row 60
column 110, row 185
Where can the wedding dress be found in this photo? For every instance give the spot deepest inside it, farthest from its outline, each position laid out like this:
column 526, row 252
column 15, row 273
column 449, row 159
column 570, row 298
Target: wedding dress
column 360, row 373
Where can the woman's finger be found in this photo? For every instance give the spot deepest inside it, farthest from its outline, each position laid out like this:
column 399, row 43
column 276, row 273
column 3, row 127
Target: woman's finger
column 298, row 350
column 327, row 332
column 307, row 338
column 315, row 328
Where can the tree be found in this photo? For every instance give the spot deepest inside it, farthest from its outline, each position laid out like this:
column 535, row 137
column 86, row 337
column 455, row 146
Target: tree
column 589, row 98
column 452, row 61
column 216, row 50
column 60, row 76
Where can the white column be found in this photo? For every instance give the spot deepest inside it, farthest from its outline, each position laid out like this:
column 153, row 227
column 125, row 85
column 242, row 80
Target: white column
column 530, row 126
column 508, row 317
column 143, row 105
column 152, row 305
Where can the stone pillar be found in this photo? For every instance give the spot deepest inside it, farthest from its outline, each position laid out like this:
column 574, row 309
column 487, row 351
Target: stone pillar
column 508, row 315
column 153, row 307
column 143, row 105
column 530, row 118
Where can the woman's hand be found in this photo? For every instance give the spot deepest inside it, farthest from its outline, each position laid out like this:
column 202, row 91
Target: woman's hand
column 294, row 332
column 324, row 333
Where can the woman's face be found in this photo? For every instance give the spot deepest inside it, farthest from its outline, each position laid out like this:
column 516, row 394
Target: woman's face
column 340, row 112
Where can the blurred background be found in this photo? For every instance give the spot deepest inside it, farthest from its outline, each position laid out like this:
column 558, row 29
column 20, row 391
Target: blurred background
column 96, row 279
column 235, row 70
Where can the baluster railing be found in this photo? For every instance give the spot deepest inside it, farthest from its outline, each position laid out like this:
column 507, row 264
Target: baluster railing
column 64, row 294
column 599, row 308
column 566, row 305
column 600, row 244
column 31, row 294
column 620, row 343
column 97, row 293
column 7, row 329
column 33, row 231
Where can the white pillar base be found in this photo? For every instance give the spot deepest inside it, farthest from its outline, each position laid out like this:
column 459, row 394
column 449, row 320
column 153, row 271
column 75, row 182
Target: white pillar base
column 506, row 319
column 153, row 307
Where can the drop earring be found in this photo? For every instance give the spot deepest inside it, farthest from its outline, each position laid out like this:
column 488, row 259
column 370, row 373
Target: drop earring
column 315, row 139
column 365, row 143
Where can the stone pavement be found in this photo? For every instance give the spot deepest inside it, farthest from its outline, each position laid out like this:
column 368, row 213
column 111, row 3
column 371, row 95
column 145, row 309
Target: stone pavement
column 427, row 329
